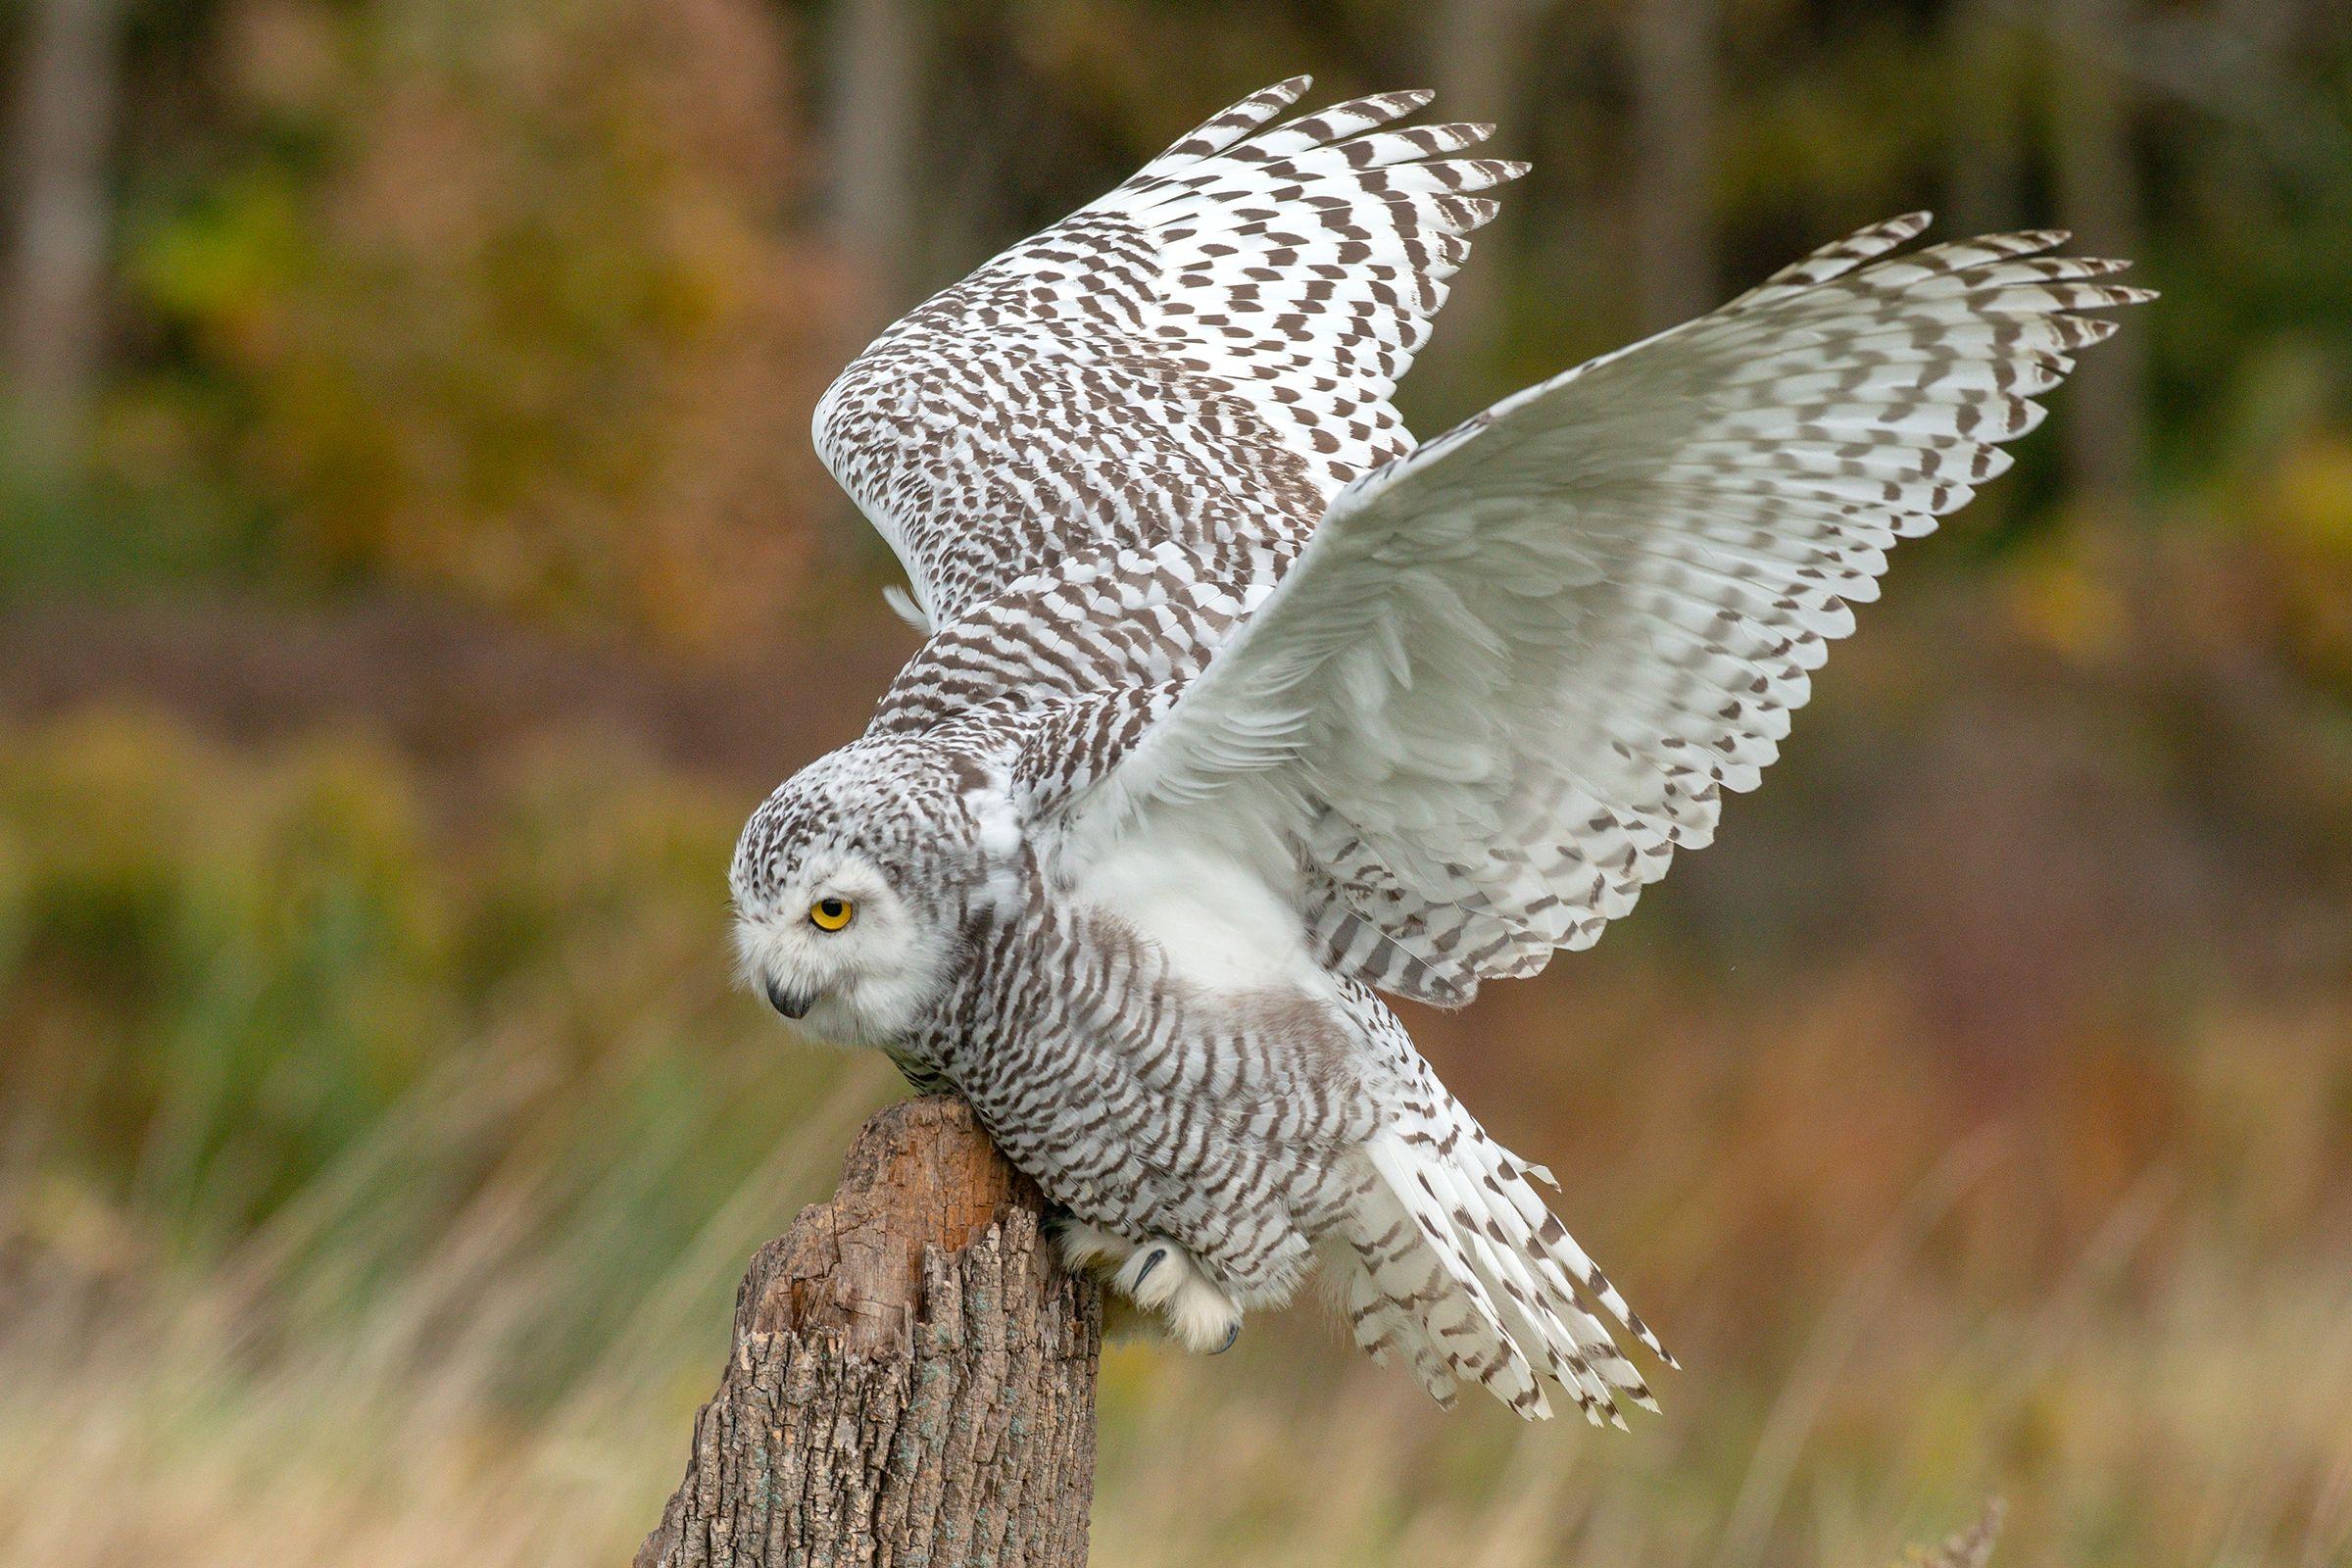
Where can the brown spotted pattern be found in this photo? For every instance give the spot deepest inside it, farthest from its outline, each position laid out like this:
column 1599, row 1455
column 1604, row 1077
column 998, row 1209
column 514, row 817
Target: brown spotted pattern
column 1202, row 356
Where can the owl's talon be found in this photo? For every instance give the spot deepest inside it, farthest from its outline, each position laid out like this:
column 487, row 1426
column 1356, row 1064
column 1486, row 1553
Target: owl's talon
column 1232, row 1336
column 1151, row 1260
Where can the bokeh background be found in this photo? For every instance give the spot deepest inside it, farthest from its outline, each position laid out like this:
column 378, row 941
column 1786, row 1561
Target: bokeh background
column 413, row 571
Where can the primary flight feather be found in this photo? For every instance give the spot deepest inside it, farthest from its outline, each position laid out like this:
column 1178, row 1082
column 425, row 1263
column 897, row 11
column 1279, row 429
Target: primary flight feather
column 1239, row 708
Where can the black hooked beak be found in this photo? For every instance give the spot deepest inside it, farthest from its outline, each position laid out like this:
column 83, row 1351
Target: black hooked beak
column 791, row 1004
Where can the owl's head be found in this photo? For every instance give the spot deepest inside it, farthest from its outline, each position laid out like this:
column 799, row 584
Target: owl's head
column 854, row 883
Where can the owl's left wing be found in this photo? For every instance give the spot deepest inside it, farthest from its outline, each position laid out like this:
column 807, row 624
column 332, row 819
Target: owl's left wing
column 1515, row 670
column 1201, row 357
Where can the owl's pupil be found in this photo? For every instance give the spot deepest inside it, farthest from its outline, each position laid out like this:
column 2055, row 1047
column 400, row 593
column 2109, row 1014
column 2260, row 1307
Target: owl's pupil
column 832, row 909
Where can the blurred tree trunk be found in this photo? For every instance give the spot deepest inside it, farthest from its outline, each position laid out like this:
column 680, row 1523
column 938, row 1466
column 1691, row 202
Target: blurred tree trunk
column 1474, row 52
column 912, row 1379
column 1672, row 48
column 878, row 50
column 63, row 123
column 2098, row 198
column 1986, row 51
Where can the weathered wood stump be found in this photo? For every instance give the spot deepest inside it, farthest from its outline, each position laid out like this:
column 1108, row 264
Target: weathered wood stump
column 913, row 1377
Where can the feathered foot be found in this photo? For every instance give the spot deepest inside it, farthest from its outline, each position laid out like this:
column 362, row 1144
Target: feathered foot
column 1158, row 1276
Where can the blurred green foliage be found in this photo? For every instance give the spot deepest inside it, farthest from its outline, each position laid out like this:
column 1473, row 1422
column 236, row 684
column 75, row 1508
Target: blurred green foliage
column 235, row 993
column 376, row 1183
column 498, row 299
column 529, row 302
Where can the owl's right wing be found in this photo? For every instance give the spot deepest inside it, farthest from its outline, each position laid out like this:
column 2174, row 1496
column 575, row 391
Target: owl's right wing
column 1515, row 670
column 1202, row 356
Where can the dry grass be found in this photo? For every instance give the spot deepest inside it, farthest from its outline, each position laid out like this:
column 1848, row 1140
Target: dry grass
column 375, row 1186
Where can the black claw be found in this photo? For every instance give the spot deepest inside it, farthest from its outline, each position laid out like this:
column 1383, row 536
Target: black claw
column 1151, row 1262
column 1231, row 1334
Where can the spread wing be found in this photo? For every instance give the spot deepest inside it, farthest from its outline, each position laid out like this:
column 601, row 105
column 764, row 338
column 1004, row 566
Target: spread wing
column 1202, row 356
column 1515, row 670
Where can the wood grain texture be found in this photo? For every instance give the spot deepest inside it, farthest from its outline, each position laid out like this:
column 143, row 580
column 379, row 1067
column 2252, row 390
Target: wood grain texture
column 913, row 1377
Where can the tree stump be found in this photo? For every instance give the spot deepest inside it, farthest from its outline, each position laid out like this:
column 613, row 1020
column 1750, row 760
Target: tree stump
column 913, row 1377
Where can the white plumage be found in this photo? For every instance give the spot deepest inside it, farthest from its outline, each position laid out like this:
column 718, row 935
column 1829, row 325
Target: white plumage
column 1238, row 707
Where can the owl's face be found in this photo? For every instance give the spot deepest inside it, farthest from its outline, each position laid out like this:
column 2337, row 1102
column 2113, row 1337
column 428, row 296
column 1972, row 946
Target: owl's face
column 849, row 888
column 841, row 953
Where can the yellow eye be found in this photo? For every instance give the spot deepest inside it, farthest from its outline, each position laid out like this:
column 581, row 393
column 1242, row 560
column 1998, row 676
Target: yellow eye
column 831, row 914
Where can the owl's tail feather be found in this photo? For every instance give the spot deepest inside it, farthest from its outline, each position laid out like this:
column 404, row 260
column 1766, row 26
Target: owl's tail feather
column 1462, row 1272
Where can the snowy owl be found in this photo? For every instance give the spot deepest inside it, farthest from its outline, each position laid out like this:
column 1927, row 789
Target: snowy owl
column 1239, row 708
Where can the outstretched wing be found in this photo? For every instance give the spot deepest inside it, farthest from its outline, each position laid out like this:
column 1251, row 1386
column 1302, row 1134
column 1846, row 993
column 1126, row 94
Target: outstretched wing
column 1203, row 356
column 1515, row 670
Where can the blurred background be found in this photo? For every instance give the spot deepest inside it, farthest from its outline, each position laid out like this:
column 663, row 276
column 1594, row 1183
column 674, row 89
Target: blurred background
column 413, row 569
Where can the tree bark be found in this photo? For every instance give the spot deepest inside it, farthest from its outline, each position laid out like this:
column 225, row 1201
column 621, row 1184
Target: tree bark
column 879, row 51
column 2098, row 198
column 1985, row 52
column 1476, row 51
column 63, row 119
column 1673, row 46
column 913, row 1376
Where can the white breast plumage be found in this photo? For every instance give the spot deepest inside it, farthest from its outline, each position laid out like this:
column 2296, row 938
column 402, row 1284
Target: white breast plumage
column 1209, row 909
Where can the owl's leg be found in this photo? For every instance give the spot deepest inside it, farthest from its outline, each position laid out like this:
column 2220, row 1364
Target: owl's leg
column 1165, row 1278
column 1085, row 1246
column 1158, row 1276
